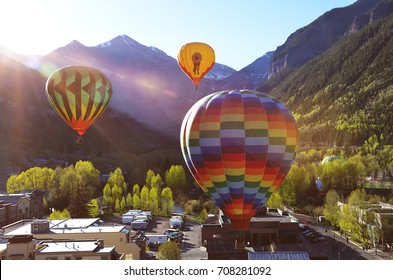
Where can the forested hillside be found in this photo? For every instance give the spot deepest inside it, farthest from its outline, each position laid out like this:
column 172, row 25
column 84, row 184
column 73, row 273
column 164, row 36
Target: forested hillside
column 344, row 95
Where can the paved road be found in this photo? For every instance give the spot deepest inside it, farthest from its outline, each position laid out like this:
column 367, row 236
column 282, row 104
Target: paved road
column 337, row 247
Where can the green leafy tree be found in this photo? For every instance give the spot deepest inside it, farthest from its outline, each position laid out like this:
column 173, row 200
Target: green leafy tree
column 93, row 208
column 357, row 197
column 169, row 251
column 156, row 181
column 129, row 201
column 136, row 189
column 154, row 200
column 117, row 192
column 203, row 215
column 136, row 201
column 57, row 215
column 90, row 177
column 123, row 205
column 167, row 201
column 331, row 210
column 79, row 200
column 13, row 184
column 175, row 178
column 107, row 196
column 117, row 206
column 274, row 201
column 149, row 178
column 287, row 192
column 116, row 178
column 144, row 198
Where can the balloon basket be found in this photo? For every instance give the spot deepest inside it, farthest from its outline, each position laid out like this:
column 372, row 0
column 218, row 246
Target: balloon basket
column 79, row 141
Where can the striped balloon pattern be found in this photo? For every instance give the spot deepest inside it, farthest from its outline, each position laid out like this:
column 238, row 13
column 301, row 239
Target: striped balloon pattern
column 79, row 95
column 239, row 145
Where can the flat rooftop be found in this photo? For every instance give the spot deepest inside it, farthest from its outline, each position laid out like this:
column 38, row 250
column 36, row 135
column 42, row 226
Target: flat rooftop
column 63, row 226
column 72, row 246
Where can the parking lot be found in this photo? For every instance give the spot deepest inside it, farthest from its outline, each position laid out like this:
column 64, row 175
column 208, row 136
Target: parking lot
column 191, row 246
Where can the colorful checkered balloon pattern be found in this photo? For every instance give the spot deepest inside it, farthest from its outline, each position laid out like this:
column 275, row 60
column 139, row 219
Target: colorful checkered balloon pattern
column 79, row 95
column 239, row 145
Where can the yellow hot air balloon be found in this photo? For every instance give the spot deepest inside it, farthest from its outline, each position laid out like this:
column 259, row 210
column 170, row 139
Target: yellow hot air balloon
column 196, row 59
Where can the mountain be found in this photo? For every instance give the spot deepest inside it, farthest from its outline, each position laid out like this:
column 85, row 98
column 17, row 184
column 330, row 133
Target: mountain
column 250, row 77
column 345, row 95
column 148, row 84
column 317, row 37
column 334, row 74
column 219, row 72
column 31, row 130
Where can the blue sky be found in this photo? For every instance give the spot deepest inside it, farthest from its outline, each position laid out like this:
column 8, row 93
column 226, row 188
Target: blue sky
column 239, row 31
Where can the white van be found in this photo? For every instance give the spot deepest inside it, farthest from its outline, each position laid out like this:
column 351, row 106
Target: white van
column 139, row 224
column 127, row 218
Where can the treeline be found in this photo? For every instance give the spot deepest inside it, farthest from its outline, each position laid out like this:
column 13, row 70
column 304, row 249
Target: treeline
column 352, row 219
column 72, row 191
column 299, row 188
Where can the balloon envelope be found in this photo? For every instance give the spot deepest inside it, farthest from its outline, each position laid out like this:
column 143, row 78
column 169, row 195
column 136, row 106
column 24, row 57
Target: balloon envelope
column 196, row 59
column 79, row 95
column 239, row 146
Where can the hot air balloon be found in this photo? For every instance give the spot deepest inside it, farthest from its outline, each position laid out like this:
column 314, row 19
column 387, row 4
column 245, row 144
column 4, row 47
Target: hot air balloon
column 196, row 59
column 79, row 95
column 239, row 146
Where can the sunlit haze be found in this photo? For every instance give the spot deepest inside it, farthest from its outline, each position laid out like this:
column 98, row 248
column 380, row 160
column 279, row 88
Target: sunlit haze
column 239, row 31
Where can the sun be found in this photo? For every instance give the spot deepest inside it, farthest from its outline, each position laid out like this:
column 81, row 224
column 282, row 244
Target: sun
column 26, row 28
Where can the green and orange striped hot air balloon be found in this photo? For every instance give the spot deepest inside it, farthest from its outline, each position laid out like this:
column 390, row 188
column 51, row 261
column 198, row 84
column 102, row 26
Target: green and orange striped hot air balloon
column 79, row 95
column 239, row 146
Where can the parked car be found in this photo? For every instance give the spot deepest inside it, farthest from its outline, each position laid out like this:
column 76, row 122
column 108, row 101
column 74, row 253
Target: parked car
column 174, row 234
column 176, row 222
column 154, row 241
column 139, row 224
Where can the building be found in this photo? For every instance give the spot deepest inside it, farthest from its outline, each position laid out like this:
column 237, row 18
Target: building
column 268, row 231
column 18, row 206
column 380, row 228
column 73, row 230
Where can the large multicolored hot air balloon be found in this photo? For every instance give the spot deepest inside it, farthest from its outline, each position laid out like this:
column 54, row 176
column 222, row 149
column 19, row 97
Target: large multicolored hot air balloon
column 239, row 146
column 79, row 95
column 196, row 59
